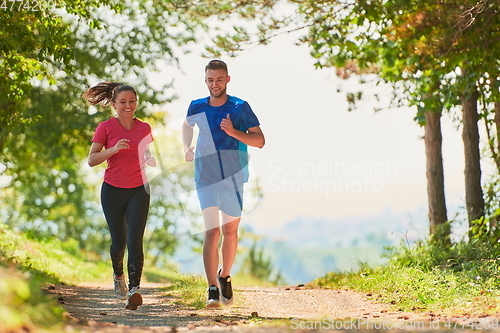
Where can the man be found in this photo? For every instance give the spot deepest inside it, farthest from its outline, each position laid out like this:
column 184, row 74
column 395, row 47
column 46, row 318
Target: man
column 227, row 125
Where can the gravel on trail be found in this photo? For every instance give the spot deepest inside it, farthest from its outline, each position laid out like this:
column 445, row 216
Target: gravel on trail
column 94, row 307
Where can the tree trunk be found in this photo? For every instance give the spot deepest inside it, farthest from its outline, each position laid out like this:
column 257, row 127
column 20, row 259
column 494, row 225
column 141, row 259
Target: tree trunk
column 495, row 150
column 497, row 127
column 474, row 200
column 5, row 114
column 496, row 155
column 439, row 230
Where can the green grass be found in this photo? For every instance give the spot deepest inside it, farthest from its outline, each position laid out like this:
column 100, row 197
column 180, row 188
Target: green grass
column 460, row 280
column 191, row 291
column 23, row 304
column 188, row 291
column 26, row 266
column 23, row 268
column 51, row 260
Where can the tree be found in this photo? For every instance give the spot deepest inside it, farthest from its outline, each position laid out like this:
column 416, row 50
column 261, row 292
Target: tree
column 422, row 48
column 29, row 39
column 261, row 268
column 47, row 137
column 470, row 135
column 48, row 58
column 435, row 177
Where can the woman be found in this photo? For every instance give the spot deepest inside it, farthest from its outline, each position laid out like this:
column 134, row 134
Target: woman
column 123, row 142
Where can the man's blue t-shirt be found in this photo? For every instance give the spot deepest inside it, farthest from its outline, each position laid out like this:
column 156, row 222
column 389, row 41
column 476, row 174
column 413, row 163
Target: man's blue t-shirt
column 220, row 157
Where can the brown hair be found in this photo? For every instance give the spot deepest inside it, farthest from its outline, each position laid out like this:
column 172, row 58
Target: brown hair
column 105, row 92
column 216, row 64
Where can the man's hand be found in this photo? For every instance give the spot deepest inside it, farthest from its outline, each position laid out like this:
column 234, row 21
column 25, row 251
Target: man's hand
column 189, row 154
column 227, row 126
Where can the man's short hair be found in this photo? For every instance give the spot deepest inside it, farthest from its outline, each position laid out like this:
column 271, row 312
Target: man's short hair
column 216, row 64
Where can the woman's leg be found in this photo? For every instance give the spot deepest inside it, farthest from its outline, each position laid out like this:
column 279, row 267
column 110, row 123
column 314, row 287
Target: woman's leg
column 114, row 202
column 137, row 214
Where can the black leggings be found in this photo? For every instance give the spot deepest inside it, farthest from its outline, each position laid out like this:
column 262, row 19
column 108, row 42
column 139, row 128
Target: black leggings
column 126, row 211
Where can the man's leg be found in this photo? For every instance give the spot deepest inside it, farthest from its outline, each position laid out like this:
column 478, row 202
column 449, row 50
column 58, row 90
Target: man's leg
column 230, row 227
column 211, row 254
column 229, row 247
column 231, row 206
column 211, row 244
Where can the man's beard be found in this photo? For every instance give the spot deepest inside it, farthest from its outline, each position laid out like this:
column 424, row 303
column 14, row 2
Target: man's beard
column 220, row 93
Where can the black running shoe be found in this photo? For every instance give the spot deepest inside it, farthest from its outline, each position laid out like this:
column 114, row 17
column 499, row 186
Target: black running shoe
column 226, row 289
column 134, row 299
column 213, row 301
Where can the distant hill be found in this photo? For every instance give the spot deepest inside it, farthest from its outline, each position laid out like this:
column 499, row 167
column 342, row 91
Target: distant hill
column 306, row 248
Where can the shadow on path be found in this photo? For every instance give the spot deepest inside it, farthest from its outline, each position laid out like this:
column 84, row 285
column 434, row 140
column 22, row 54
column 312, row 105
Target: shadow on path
column 94, row 307
column 92, row 304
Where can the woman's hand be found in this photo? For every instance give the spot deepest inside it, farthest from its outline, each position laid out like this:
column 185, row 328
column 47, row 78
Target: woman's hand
column 150, row 161
column 121, row 144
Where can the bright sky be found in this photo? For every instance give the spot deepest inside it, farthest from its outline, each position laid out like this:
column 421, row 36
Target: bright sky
column 321, row 160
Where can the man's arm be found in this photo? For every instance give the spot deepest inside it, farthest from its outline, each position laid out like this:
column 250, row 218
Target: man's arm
column 187, row 139
column 252, row 137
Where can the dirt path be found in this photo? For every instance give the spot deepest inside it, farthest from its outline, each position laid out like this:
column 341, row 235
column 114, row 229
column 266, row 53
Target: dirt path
column 93, row 307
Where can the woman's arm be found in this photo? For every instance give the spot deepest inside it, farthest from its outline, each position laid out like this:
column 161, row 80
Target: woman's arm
column 148, row 158
column 97, row 155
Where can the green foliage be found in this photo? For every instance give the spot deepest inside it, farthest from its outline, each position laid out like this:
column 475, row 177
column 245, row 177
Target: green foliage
column 48, row 59
column 26, row 266
column 44, row 159
column 492, row 208
column 412, row 289
column 29, row 41
column 432, row 53
column 416, row 46
column 441, row 236
column 479, row 256
column 45, row 127
column 257, row 266
column 49, row 260
column 24, row 305
column 171, row 178
column 460, row 279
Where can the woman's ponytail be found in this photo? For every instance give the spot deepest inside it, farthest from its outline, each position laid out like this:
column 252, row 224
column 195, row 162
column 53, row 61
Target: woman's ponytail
column 105, row 92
